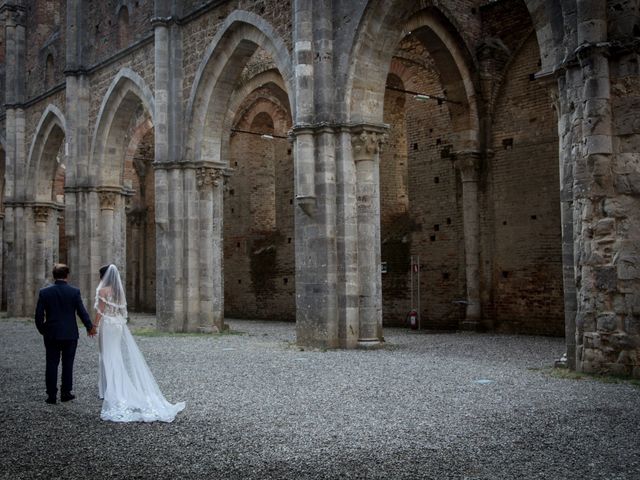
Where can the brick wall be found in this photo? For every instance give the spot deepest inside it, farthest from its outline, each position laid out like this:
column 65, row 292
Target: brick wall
column 259, row 261
column 428, row 223
column 523, row 179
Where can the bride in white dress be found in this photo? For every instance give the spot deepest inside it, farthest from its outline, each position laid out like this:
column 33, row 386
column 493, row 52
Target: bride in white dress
column 126, row 384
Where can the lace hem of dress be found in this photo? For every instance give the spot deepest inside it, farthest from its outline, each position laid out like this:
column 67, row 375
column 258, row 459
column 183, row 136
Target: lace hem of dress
column 122, row 413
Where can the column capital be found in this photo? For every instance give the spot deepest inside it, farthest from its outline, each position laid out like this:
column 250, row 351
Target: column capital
column 163, row 21
column 15, row 15
column 468, row 162
column 367, row 143
column 209, row 176
column 107, row 200
column 41, row 213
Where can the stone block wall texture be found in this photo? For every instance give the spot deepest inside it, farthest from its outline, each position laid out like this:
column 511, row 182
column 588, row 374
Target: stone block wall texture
column 106, row 31
column 45, row 56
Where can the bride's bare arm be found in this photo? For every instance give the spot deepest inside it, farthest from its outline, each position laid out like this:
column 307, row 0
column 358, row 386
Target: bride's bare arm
column 101, row 306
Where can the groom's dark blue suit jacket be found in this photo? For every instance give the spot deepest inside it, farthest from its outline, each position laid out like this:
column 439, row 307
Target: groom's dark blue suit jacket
column 56, row 312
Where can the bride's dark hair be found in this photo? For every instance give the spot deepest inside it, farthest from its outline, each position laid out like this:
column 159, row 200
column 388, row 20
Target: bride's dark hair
column 103, row 270
column 110, row 280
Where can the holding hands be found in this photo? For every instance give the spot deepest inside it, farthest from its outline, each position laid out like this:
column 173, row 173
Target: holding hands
column 92, row 332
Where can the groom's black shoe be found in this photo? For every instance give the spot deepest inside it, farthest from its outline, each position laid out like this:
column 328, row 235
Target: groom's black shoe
column 51, row 400
column 65, row 397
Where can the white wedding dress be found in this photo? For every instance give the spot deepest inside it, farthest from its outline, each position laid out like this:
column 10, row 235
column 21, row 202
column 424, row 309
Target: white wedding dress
column 126, row 384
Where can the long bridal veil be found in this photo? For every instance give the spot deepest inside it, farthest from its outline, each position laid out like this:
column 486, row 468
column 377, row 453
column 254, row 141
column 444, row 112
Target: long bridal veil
column 126, row 384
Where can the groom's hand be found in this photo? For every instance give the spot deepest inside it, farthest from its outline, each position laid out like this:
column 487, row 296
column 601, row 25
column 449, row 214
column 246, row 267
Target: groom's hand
column 92, row 332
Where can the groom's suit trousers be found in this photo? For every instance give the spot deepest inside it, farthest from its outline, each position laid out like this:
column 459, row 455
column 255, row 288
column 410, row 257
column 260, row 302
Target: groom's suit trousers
column 56, row 349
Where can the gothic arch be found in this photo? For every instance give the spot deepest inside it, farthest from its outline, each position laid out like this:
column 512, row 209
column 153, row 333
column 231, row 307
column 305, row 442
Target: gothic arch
column 238, row 38
column 41, row 162
column 373, row 52
column 125, row 97
column 270, row 78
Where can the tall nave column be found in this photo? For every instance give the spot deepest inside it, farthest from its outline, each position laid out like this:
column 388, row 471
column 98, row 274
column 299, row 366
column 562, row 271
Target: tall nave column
column 210, row 182
column 468, row 163
column 366, row 144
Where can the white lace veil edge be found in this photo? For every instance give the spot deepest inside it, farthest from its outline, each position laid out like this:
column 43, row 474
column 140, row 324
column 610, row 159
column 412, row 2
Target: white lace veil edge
column 117, row 298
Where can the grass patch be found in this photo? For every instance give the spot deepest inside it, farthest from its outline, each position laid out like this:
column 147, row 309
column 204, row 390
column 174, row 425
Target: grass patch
column 566, row 374
column 152, row 332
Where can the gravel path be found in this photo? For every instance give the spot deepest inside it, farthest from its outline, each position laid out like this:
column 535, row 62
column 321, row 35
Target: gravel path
column 437, row 406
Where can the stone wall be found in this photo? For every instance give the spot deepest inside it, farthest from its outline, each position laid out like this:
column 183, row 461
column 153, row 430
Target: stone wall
column 107, row 31
column 46, row 24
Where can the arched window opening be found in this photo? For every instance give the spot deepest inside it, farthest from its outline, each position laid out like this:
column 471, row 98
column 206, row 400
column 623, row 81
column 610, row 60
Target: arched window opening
column 140, row 244
column 49, row 71
column 123, row 27
column 258, row 226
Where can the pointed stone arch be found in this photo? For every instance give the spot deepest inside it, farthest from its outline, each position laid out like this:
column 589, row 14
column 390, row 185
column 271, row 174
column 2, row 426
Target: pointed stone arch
column 126, row 95
column 268, row 78
column 125, row 103
column 41, row 161
column 237, row 39
column 373, row 52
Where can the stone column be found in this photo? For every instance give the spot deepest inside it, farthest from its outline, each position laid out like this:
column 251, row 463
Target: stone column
column 81, row 203
column 211, row 255
column 567, row 114
column 15, row 85
column 3, row 253
column 174, row 185
column 347, row 241
column 41, row 262
column 136, row 219
column 107, row 240
column 366, row 145
column 602, row 252
column 316, row 261
column 468, row 163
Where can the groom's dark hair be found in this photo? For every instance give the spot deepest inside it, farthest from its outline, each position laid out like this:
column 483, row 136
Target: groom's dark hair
column 103, row 270
column 60, row 271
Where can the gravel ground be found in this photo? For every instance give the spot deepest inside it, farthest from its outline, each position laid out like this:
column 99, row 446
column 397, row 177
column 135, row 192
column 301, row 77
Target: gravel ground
column 440, row 406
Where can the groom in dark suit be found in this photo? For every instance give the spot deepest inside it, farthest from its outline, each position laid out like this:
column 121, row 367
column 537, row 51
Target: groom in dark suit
column 56, row 312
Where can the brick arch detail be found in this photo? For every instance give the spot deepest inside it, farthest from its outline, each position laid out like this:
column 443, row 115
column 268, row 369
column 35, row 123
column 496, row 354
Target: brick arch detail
column 237, row 39
column 50, row 134
column 504, row 74
column 126, row 90
column 269, row 77
column 267, row 105
column 364, row 93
